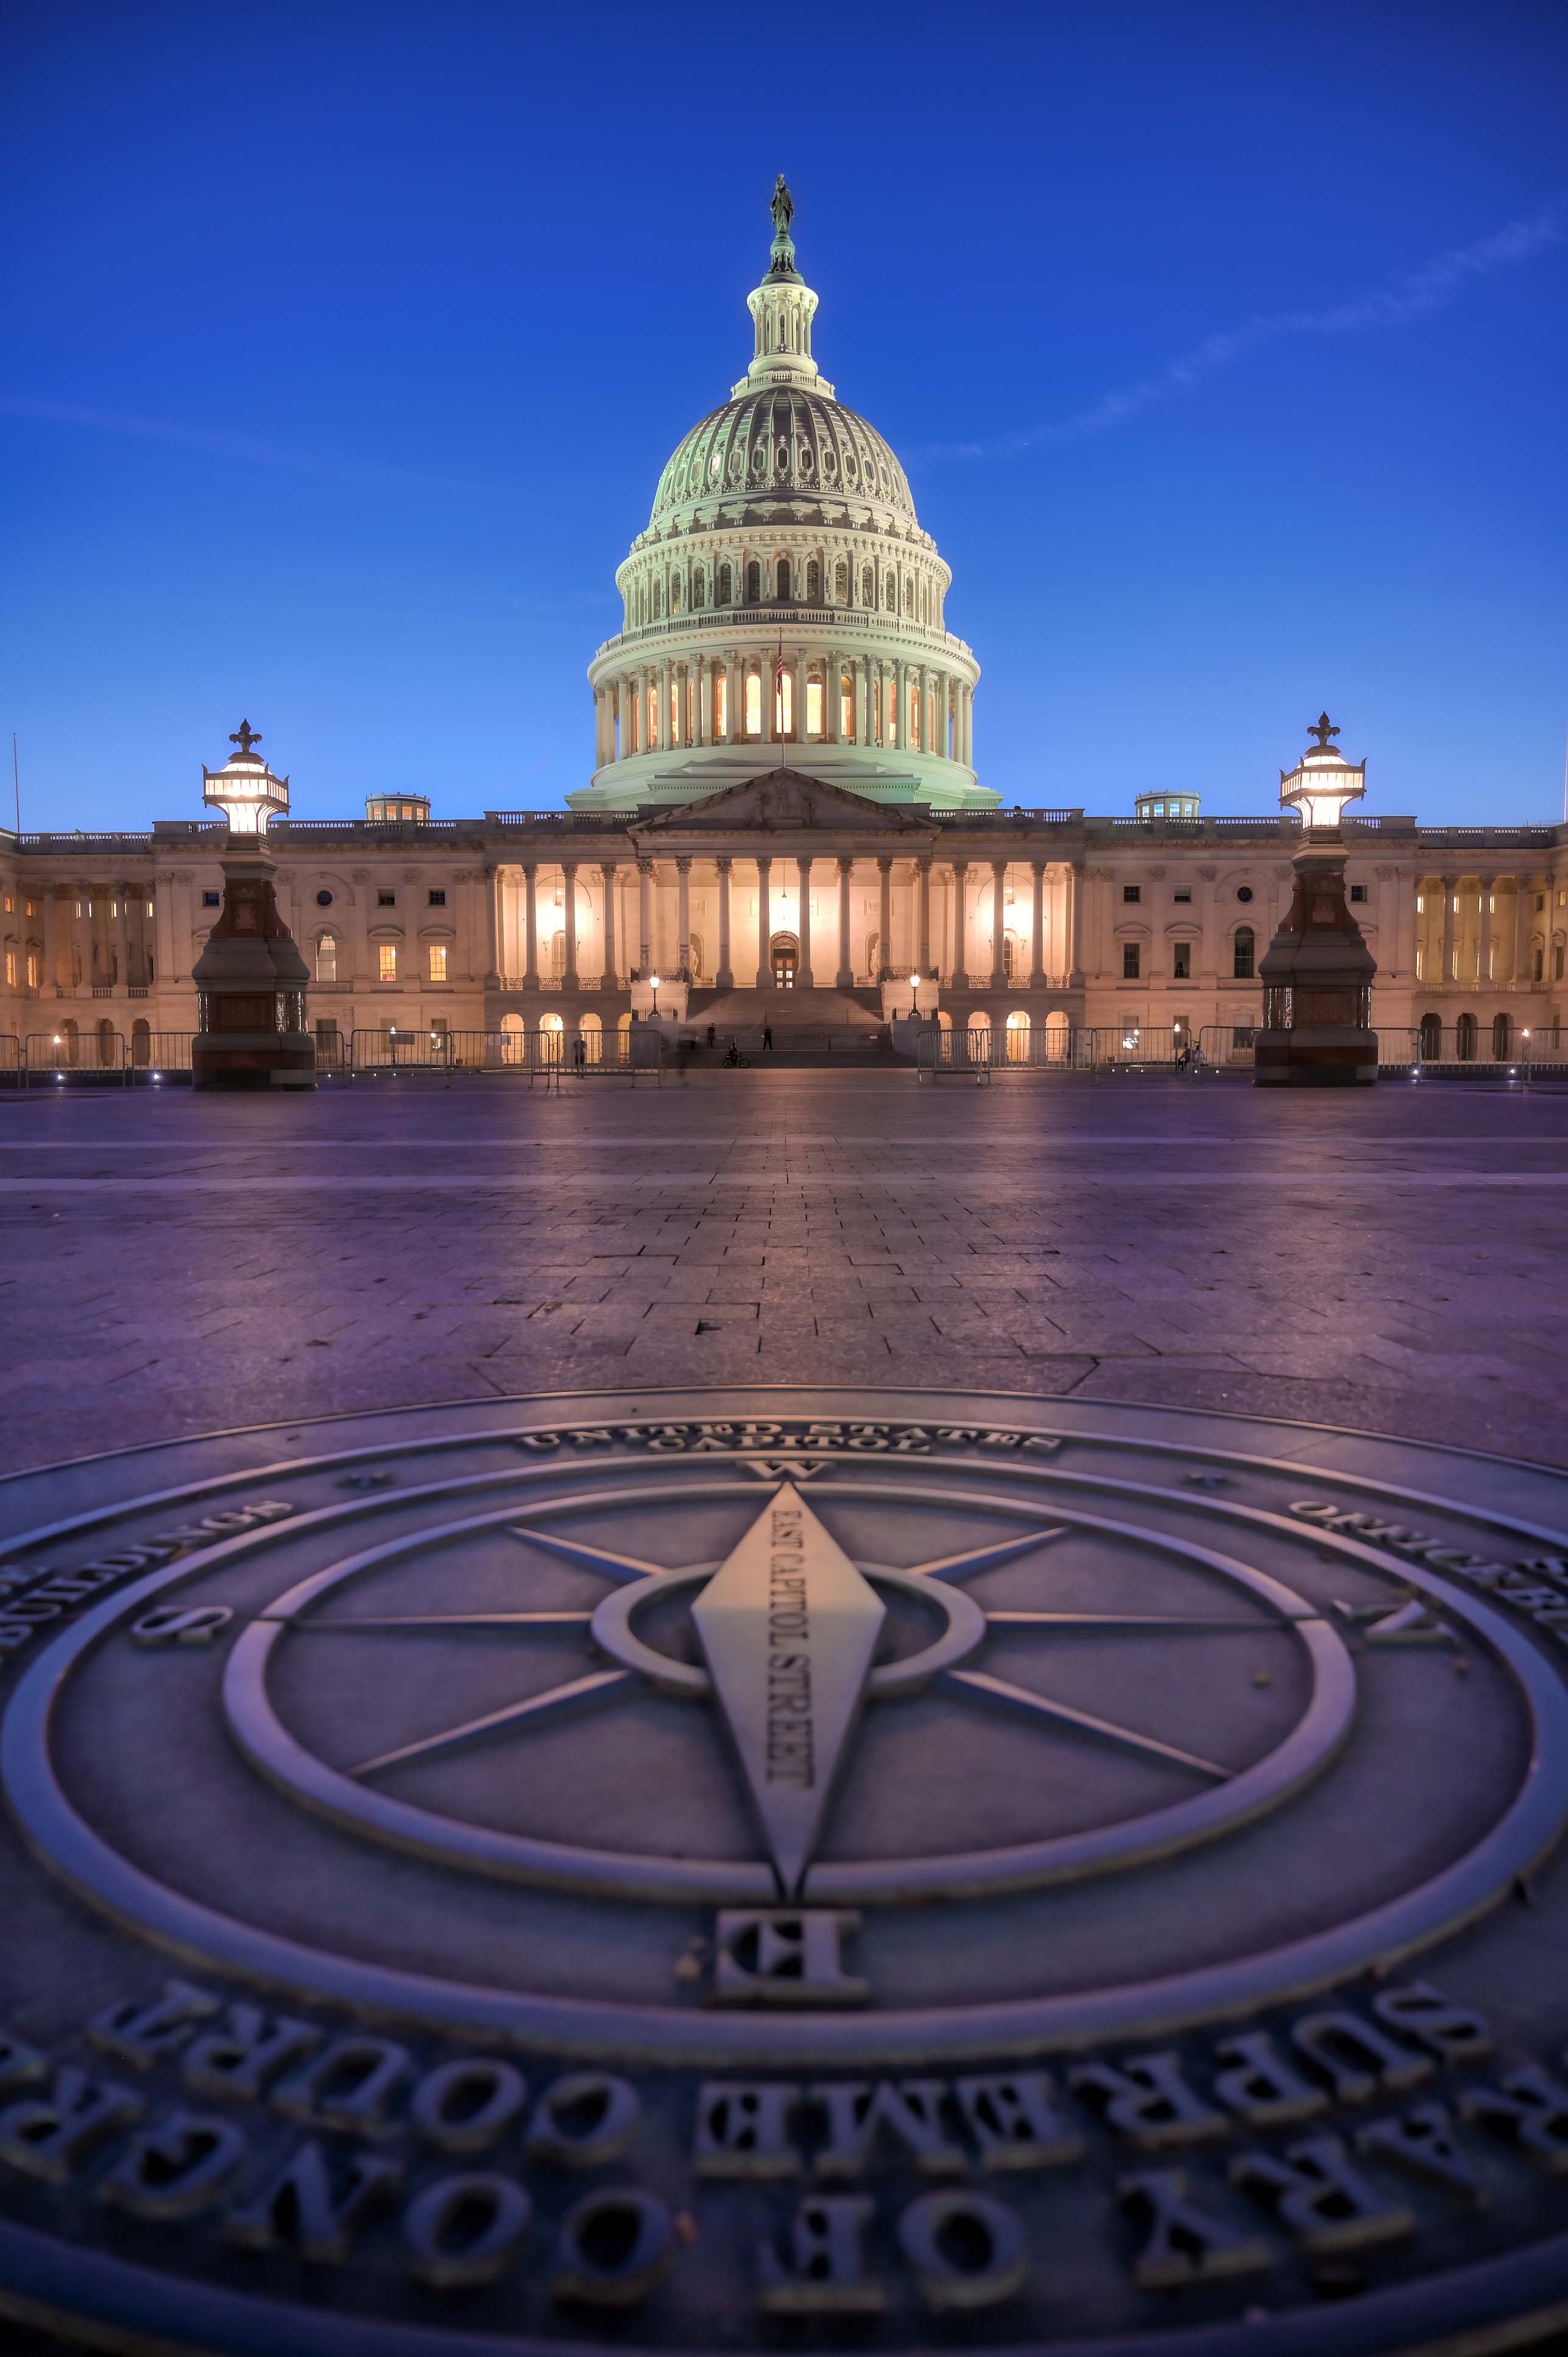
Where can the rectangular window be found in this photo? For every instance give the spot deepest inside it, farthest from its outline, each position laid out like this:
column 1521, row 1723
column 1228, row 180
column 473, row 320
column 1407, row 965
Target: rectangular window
column 387, row 956
column 1181, row 961
column 1131, row 891
column 1358, row 891
column 437, row 962
column 436, row 899
column 32, row 908
column 32, row 969
column 10, row 905
column 327, row 1028
column 753, row 705
column 1181, row 895
column 721, row 703
column 1129, row 961
column 208, row 900
column 386, row 900
column 438, row 1027
column 813, row 707
column 11, row 968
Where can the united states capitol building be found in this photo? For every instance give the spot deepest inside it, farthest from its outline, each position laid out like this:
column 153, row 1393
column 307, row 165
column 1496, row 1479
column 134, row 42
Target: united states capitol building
column 785, row 818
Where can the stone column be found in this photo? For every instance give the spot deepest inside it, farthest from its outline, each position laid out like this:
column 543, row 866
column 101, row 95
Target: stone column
column 998, row 923
column 1074, row 962
column 885, row 920
column 163, row 932
column 608, row 878
column 735, row 702
column 764, row 924
column 529, row 925
column 1524, row 916
column 1450, row 892
column 800, row 670
column 683, row 918
column 569, row 917
column 121, row 974
column 832, row 698
column 923, row 914
column 1485, row 976
column 645, row 917
column 804, row 979
column 960, row 970
column 1038, row 919
column 724, row 978
column 847, row 953
column 900, row 706
column 48, row 978
column 704, row 701
column 870, row 735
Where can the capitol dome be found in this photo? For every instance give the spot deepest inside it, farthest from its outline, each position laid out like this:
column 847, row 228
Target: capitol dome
column 783, row 594
column 790, row 440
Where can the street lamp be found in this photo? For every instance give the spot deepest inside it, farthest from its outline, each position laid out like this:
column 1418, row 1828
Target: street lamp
column 653, row 979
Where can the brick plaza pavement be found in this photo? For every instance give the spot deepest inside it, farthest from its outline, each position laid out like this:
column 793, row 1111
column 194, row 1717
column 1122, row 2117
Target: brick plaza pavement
column 173, row 1264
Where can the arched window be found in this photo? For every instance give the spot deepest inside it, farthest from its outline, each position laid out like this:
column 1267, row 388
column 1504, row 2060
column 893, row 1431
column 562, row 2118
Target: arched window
column 726, row 585
column 1431, row 1038
column 675, row 594
column 1502, row 1040
column 1243, row 945
column 699, row 590
column 326, row 957
column 1010, row 961
column 514, row 1042
column 909, row 598
column 841, row 583
column 783, row 577
column 814, row 583
column 753, row 704
column 68, row 1041
column 753, row 582
column 696, row 963
column 1464, row 1038
column 890, row 595
column 1017, row 1033
column 141, row 1041
column 657, row 608
column 108, row 1043
column 558, row 951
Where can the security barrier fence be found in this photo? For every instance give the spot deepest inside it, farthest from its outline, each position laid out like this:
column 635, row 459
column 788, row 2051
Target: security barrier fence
column 549, row 1055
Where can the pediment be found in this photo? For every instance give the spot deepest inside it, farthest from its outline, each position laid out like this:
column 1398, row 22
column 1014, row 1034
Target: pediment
column 786, row 802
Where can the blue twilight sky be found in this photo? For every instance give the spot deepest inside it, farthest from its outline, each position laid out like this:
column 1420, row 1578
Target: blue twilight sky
column 1225, row 346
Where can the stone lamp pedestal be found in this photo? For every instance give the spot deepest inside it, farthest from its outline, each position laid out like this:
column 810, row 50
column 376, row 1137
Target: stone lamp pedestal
column 1317, row 982
column 251, row 982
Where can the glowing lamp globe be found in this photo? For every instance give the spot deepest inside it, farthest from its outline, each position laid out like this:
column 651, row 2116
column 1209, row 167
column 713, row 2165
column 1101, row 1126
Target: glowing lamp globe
column 245, row 789
column 1323, row 780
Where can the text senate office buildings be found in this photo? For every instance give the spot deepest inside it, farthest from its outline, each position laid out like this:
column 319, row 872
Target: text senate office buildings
column 785, row 817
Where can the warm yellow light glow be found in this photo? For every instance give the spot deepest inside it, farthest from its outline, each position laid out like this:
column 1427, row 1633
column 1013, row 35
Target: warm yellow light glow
column 437, row 962
column 388, row 960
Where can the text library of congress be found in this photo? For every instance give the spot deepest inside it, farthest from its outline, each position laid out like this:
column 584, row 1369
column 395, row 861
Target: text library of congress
column 784, row 818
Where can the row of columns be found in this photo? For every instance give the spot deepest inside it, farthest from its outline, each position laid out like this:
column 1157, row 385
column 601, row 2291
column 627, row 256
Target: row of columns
column 683, row 701
column 1525, row 889
column 724, row 977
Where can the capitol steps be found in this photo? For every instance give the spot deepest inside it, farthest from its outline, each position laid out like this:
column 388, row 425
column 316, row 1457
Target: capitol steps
column 809, row 1027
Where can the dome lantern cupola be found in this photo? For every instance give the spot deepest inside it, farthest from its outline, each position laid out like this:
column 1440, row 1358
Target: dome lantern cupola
column 782, row 309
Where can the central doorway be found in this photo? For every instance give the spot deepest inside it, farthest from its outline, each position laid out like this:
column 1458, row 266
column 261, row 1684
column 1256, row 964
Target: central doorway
column 784, row 954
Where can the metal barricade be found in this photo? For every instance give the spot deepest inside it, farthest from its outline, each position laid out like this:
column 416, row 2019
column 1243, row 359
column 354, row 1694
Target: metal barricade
column 943, row 1055
column 160, row 1051
column 1490, row 1055
column 1226, row 1048
column 95, row 1054
column 1138, row 1050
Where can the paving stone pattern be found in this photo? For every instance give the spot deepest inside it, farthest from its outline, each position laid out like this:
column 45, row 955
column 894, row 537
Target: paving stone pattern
column 173, row 1264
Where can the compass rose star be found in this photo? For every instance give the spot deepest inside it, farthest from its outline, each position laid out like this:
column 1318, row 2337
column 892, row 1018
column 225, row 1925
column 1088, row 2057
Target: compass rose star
column 789, row 1628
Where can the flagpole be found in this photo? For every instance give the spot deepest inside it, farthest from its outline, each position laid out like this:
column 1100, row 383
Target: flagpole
column 16, row 782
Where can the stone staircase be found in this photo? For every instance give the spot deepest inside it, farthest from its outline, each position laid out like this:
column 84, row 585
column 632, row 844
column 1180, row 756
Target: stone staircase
column 809, row 1027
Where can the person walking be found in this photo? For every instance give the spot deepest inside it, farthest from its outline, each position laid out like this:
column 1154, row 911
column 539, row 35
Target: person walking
column 713, row 1035
column 767, row 1039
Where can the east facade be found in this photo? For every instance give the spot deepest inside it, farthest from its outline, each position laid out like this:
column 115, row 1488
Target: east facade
column 784, row 818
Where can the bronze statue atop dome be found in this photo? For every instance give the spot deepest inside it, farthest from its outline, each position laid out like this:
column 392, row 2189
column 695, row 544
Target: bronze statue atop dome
column 782, row 207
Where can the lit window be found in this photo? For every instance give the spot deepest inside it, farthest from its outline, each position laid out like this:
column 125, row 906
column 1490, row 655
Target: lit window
column 32, row 909
column 721, row 703
column 149, row 908
column 32, row 969
column 10, row 905
column 388, row 957
column 326, row 958
column 813, row 707
column 437, row 962
column 753, row 705
column 10, row 966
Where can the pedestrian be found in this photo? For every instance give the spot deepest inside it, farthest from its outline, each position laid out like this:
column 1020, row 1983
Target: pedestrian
column 767, row 1039
column 580, row 1051
column 713, row 1035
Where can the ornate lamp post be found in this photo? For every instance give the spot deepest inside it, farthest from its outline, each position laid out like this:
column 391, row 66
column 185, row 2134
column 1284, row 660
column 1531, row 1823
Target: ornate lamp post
column 1318, row 970
column 250, row 978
